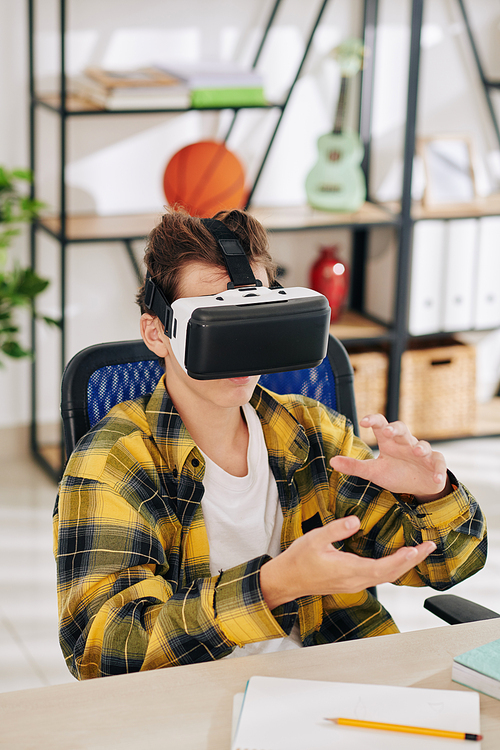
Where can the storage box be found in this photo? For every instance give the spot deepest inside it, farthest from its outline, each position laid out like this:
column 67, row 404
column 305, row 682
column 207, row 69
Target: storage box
column 438, row 391
column 370, row 386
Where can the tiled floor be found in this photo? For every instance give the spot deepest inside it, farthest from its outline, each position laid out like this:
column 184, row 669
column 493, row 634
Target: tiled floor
column 29, row 651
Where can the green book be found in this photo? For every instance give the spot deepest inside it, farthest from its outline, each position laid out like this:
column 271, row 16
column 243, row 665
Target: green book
column 479, row 669
column 238, row 96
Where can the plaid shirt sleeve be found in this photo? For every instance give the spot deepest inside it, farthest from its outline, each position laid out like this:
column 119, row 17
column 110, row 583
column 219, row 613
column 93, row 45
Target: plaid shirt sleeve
column 455, row 523
column 121, row 608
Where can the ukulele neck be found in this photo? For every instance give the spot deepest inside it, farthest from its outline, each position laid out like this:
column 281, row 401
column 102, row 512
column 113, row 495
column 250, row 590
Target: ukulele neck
column 341, row 107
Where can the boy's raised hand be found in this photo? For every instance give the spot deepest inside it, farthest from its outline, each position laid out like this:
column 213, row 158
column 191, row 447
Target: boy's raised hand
column 404, row 464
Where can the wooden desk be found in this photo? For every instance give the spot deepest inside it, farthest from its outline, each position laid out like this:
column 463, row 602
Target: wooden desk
column 189, row 708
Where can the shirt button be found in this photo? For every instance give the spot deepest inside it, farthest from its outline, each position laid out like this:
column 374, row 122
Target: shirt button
column 195, row 462
column 174, row 473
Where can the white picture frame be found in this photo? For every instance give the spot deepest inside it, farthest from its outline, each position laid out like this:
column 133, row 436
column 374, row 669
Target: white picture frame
column 448, row 167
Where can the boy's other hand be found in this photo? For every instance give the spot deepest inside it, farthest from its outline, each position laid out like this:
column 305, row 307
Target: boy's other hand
column 311, row 565
column 404, row 464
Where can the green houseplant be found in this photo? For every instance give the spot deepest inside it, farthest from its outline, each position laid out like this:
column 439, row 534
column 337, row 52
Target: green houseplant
column 18, row 286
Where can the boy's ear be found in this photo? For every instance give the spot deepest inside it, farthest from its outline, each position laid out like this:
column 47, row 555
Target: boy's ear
column 153, row 336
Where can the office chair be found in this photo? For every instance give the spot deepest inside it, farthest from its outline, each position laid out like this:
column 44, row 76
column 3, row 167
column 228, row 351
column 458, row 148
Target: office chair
column 103, row 375
column 98, row 378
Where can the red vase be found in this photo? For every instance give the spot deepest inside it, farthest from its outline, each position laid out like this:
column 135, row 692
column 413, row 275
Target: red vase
column 330, row 276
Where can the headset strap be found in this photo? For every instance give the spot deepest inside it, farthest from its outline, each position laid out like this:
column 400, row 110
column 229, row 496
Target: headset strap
column 155, row 300
column 235, row 258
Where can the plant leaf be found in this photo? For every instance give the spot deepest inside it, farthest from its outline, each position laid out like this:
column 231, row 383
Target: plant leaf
column 13, row 349
column 23, row 174
column 50, row 321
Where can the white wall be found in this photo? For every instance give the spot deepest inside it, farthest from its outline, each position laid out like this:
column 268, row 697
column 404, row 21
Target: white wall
column 116, row 163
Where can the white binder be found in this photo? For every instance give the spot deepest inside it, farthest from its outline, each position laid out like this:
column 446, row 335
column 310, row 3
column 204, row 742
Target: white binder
column 487, row 307
column 426, row 287
column 460, row 275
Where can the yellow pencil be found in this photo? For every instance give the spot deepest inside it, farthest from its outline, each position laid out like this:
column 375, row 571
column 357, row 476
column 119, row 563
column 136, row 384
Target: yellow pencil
column 409, row 730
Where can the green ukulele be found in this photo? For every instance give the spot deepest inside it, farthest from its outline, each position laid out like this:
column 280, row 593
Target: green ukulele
column 336, row 182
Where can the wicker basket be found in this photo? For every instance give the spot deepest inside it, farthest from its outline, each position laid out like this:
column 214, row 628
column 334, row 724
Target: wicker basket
column 370, row 387
column 438, row 391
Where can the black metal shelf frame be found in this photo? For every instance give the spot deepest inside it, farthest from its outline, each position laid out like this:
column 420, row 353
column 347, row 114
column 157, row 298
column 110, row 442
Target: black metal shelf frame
column 64, row 113
column 90, row 239
column 41, row 102
column 397, row 336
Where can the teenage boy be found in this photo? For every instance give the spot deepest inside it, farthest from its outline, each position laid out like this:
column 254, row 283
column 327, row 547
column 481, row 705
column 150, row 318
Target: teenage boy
column 214, row 518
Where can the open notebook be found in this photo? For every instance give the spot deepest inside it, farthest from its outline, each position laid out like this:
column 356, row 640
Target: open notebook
column 286, row 714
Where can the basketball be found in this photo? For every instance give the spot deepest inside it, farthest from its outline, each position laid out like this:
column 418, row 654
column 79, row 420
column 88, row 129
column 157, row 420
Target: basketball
column 204, row 178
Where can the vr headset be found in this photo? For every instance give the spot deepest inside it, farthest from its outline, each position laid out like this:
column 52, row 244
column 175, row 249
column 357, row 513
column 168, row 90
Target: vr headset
column 248, row 329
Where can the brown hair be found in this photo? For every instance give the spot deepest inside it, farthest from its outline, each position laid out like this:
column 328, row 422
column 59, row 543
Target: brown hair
column 180, row 239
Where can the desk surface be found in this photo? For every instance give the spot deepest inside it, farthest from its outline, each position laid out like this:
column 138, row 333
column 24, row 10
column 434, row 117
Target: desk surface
column 190, row 707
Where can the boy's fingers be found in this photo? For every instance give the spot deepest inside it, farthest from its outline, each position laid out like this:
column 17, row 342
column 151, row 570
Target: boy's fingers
column 400, row 430
column 341, row 528
column 404, row 560
column 352, row 466
column 375, row 421
column 423, row 448
column 420, row 552
column 365, row 572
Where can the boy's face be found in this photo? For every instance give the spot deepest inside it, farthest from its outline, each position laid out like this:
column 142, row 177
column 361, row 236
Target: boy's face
column 196, row 280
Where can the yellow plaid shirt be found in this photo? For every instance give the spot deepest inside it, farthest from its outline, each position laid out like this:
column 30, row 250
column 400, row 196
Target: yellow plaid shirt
column 134, row 584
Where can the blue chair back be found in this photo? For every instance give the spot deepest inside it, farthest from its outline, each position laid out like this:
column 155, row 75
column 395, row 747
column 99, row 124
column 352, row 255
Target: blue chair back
column 103, row 375
column 112, row 384
column 317, row 383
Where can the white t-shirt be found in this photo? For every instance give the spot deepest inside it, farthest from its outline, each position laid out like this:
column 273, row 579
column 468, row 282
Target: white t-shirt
column 243, row 517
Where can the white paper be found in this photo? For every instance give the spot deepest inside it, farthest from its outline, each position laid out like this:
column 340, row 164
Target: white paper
column 288, row 714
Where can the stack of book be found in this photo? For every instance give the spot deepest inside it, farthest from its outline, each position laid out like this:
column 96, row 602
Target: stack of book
column 143, row 88
column 479, row 669
column 201, row 86
column 220, row 85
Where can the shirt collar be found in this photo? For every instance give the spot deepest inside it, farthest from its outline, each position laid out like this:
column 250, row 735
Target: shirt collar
column 170, row 434
column 285, row 437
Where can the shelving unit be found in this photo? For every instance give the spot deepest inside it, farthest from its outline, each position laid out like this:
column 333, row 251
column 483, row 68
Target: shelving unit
column 355, row 327
column 68, row 230
column 488, row 416
column 477, row 208
column 93, row 228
